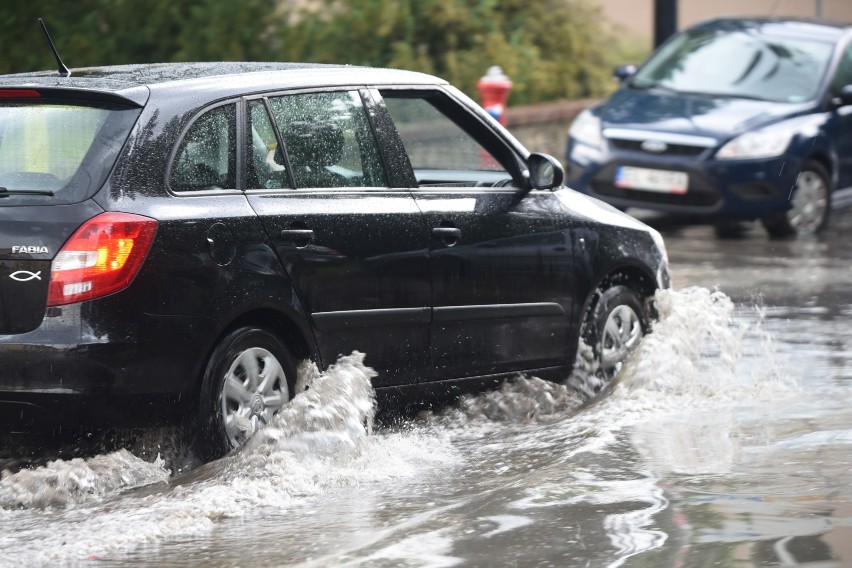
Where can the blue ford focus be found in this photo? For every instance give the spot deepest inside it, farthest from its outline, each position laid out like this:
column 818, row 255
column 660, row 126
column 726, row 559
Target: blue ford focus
column 731, row 120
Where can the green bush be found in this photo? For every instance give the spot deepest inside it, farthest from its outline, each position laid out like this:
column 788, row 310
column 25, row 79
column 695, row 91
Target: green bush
column 551, row 49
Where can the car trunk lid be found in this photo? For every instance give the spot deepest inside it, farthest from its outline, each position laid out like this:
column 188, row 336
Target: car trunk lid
column 57, row 148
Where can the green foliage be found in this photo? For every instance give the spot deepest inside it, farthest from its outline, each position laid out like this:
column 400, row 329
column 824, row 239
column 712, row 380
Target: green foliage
column 551, row 49
column 110, row 32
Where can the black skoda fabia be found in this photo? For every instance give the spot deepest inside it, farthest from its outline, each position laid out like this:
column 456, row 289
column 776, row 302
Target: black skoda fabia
column 175, row 238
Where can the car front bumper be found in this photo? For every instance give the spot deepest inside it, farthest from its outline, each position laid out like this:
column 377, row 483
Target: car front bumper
column 744, row 189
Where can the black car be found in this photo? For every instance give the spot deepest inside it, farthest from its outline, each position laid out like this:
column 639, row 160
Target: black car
column 175, row 237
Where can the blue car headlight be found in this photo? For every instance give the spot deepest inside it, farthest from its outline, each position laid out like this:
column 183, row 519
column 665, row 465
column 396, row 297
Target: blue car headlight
column 768, row 143
column 586, row 129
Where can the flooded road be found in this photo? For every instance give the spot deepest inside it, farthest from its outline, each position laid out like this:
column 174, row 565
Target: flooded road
column 727, row 441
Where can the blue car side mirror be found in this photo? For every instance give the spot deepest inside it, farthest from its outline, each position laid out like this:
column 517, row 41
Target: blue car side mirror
column 624, row 72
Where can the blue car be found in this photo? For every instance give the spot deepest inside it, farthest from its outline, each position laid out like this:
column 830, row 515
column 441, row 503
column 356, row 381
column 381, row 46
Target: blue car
column 733, row 119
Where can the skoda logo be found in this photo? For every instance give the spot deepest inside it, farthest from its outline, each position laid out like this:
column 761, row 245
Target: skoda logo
column 25, row 275
column 655, row 146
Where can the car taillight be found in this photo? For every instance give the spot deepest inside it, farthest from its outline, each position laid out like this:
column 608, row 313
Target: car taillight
column 101, row 257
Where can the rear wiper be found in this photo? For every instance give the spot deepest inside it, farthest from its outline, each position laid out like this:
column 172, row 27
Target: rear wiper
column 7, row 192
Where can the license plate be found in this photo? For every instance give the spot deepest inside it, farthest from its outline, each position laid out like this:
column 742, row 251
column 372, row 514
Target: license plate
column 662, row 181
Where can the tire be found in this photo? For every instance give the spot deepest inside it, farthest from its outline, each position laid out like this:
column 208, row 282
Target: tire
column 248, row 378
column 614, row 327
column 809, row 205
column 729, row 229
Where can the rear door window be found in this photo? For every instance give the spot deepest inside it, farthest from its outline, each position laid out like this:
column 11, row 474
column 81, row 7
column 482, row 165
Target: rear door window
column 328, row 140
column 58, row 152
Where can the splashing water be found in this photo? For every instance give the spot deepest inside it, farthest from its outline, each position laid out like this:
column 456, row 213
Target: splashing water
column 330, row 420
column 323, row 442
column 693, row 351
column 61, row 483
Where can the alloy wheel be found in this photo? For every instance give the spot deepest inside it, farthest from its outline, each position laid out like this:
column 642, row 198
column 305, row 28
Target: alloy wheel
column 254, row 389
column 809, row 202
column 621, row 333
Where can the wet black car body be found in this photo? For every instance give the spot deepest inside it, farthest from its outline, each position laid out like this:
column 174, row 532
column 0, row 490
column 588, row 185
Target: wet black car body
column 210, row 190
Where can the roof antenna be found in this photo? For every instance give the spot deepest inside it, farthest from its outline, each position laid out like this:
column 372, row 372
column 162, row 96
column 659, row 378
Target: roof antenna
column 63, row 70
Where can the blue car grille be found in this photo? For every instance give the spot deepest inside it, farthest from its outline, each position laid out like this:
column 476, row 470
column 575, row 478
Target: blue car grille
column 671, row 149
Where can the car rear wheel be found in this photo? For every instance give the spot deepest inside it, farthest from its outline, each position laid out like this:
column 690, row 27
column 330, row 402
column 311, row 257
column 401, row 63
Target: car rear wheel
column 614, row 328
column 809, row 205
column 248, row 379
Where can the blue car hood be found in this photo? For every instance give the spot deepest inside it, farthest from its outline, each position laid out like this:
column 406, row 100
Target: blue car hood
column 703, row 115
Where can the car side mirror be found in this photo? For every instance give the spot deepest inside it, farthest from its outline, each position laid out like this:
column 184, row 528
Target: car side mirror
column 844, row 97
column 624, row 72
column 545, row 171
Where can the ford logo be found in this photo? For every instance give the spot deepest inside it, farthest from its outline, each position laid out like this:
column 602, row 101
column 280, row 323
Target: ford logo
column 25, row 275
column 655, row 146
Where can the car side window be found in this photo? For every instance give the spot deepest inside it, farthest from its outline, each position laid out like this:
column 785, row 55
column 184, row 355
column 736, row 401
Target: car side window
column 441, row 152
column 206, row 159
column 328, row 140
column 843, row 75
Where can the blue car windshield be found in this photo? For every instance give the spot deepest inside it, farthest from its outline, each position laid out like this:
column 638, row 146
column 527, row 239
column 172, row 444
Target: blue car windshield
column 740, row 63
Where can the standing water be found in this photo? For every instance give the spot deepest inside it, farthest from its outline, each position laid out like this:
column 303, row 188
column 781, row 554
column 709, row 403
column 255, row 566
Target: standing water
column 725, row 441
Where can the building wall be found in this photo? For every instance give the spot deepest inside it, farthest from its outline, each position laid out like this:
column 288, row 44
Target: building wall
column 636, row 17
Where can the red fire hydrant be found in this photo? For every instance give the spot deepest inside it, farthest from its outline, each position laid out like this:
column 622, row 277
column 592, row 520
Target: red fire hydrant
column 494, row 88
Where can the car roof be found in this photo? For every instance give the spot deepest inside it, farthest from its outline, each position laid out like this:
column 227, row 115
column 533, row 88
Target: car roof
column 821, row 30
column 214, row 79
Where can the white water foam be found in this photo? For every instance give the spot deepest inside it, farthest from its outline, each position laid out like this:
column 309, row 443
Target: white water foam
column 62, row 483
column 320, row 442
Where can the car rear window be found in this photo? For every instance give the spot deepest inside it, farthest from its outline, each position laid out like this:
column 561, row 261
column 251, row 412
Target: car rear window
column 58, row 152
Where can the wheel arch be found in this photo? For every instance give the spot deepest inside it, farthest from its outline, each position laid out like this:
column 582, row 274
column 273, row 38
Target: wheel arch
column 631, row 276
column 294, row 337
column 823, row 159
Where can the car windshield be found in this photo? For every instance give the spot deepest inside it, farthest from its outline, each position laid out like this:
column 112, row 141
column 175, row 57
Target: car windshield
column 740, row 62
column 58, row 152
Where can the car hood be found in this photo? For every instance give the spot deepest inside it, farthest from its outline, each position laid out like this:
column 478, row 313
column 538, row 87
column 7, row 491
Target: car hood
column 703, row 115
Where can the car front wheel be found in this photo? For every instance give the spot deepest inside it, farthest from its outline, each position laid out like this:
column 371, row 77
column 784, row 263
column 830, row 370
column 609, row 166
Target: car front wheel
column 247, row 380
column 614, row 328
column 809, row 205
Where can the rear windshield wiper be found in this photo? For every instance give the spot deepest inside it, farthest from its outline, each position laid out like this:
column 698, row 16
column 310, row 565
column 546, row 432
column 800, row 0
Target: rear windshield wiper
column 7, row 192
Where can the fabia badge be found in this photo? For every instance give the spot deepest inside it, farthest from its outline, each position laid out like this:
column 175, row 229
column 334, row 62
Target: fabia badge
column 25, row 275
column 31, row 249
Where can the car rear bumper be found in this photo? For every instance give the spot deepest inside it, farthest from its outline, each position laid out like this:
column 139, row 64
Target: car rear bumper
column 73, row 370
column 745, row 189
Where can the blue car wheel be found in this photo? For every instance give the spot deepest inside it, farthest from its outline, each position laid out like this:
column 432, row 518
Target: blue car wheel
column 809, row 205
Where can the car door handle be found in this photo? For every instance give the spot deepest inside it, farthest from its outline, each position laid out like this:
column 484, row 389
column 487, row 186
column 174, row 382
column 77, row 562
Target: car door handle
column 299, row 237
column 448, row 235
